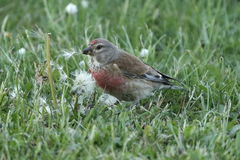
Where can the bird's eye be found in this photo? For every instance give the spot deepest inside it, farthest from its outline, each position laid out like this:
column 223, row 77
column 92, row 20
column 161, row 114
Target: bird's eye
column 99, row 47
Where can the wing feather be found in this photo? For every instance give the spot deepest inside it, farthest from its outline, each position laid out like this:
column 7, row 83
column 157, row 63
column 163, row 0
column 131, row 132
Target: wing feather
column 132, row 67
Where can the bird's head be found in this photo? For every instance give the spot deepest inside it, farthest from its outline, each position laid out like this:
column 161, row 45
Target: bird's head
column 102, row 50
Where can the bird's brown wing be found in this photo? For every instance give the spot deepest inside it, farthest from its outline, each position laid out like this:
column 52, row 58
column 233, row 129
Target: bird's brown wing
column 133, row 67
column 131, row 64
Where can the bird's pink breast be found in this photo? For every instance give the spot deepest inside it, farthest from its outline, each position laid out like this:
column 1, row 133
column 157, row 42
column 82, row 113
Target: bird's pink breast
column 107, row 80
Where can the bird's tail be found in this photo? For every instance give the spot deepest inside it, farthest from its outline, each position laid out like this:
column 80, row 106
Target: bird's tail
column 177, row 87
column 169, row 82
column 172, row 85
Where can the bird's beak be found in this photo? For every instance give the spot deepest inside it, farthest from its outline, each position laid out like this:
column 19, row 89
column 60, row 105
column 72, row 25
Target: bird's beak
column 87, row 51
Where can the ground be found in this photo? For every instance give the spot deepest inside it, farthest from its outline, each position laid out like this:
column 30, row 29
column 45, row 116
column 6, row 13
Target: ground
column 194, row 41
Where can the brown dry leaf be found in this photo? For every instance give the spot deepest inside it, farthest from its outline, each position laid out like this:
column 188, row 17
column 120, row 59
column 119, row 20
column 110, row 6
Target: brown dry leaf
column 7, row 35
column 40, row 75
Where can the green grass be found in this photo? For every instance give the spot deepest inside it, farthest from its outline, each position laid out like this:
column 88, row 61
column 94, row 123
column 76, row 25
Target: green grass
column 195, row 41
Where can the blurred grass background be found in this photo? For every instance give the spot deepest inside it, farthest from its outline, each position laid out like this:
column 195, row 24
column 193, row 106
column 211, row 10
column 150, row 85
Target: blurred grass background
column 198, row 42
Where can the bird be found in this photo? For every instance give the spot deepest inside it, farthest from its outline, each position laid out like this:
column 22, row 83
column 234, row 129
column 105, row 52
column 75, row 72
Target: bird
column 123, row 75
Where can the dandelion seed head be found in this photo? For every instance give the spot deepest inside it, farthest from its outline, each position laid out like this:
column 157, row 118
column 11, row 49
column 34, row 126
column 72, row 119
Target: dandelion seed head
column 21, row 51
column 84, row 3
column 107, row 99
column 144, row 52
column 83, row 83
column 71, row 8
